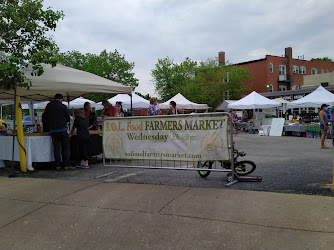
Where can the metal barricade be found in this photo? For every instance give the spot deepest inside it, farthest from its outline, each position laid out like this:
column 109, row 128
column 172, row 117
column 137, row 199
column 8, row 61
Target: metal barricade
column 162, row 142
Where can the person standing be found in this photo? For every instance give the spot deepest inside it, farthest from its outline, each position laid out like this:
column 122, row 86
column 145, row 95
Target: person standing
column 153, row 108
column 81, row 124
column 323, row 124
column 172, row 108
column 120, row 110
column 57, row 116
column 109, row 110
column 244, row 115
column 91, row 117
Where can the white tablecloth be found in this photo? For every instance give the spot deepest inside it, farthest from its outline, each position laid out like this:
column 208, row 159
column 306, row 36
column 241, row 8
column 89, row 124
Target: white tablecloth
column 38, row 149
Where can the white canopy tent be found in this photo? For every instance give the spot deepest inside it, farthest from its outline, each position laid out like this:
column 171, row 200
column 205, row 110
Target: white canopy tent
column 280, row 100
column 137, row 102
column 79, row 103
column 284, row 103
column 76, row 104
column 183, row 103
column 254, row 101
column 69, row 82
column 314, row 99
column 224, row 105
column 38, row 105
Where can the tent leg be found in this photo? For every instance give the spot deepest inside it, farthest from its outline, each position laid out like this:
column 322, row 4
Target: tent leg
column 131, row 104
column 14, row 126
column 20, row 136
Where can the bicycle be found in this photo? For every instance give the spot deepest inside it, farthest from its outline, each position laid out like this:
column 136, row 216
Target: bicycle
column 242, row 168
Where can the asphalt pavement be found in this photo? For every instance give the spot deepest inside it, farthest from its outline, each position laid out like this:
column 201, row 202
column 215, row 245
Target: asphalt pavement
column 286, row 164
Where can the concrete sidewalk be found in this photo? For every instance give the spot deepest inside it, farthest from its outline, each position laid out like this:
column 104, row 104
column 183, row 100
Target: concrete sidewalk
column 54, row 214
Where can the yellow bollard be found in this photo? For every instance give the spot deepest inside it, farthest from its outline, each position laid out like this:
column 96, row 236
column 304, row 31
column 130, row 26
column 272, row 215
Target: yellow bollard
column 20, row 136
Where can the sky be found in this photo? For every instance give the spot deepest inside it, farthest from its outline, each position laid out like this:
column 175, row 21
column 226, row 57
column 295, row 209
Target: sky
column 147, row 30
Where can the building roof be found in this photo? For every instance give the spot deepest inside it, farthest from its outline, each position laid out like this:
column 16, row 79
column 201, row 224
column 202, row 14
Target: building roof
column 292, row 92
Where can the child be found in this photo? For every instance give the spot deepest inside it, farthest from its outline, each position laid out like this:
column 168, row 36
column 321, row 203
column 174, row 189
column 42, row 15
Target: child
column 81, row 124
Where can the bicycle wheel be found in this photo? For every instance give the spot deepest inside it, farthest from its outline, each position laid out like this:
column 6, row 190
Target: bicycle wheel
column 206, row 164
column 244, row 167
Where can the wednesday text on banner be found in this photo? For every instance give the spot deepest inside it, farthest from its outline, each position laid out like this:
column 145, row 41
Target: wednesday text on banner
column 199, row 137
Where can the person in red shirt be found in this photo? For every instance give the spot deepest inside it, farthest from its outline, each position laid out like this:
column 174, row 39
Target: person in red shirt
column 109, row 110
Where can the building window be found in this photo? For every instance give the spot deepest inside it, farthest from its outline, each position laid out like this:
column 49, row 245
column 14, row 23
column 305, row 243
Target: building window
column 271, row 67
column 295, row 69
column 226, row 95
column 302, row 70
column 322, row 71
column 271, row 88
column 295, row 87
column 226, row 78
column 314, row 71
column 282, row 88
column 282, row 70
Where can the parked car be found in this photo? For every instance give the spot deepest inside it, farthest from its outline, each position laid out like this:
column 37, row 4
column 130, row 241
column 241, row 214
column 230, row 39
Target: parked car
column 26, row 120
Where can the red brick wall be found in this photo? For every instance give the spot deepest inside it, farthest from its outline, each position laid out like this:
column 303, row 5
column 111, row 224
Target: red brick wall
column 139, row 112
column 259, row 75
column 262, row 76
column 273, row 77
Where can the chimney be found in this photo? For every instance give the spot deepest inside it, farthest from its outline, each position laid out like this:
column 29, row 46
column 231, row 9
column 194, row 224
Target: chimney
column 221, row 57
column 288, row 55
column 288, row 52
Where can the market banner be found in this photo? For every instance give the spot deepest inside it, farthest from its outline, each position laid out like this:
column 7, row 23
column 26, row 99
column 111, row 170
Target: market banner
column 178, row 137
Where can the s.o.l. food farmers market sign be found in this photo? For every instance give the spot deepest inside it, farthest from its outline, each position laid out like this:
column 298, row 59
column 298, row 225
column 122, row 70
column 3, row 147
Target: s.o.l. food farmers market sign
column 181, row 137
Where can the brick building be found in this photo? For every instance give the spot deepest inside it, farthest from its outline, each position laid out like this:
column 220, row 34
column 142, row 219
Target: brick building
column 280, row 73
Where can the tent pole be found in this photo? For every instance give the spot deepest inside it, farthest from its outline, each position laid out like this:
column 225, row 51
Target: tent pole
column 20, row 135
column 68, row 106
column 131, row 104
column 14, row 119
column 31, row 113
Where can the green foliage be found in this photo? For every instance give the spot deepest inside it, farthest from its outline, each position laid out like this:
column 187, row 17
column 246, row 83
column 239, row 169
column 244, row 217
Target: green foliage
column 169, row 77
column 24, row 25
column 324, row 59
column 110, row 65
column 204, row 82
column 7, row 112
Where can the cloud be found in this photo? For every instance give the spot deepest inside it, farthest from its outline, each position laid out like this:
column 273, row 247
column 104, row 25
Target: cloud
column 146, row 30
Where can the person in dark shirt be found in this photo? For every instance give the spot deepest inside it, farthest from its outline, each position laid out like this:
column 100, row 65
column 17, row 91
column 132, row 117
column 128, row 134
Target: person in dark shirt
column 57, row 117
column 83, row 137
column 91, row 117
column 172, row 109
column 45, row 122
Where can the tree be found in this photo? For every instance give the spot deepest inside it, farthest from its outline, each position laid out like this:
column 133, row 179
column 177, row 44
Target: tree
column 204, row 82
column 112, row 66
column 324, row 59
column 169, row 77
column 213, row 83
column 24, row 25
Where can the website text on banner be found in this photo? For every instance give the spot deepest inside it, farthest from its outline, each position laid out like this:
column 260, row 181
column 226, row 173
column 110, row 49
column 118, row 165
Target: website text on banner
column 178, row 138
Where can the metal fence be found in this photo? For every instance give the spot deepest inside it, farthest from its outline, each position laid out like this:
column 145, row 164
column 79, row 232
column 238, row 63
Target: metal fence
column 192, row 165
